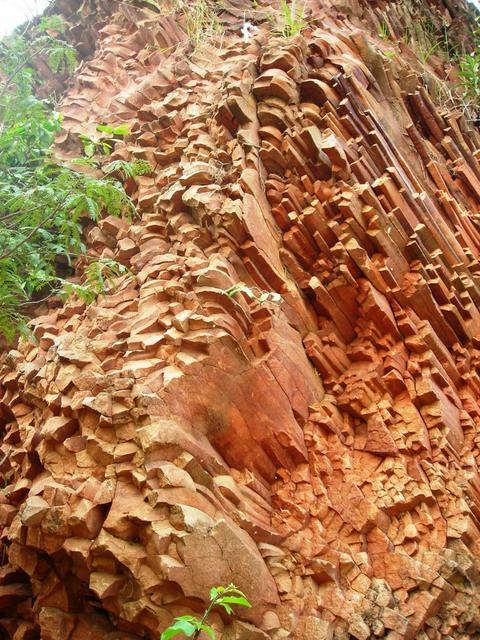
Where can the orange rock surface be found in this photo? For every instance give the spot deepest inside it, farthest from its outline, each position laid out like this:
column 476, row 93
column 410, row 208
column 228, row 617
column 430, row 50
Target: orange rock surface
column 321, row 452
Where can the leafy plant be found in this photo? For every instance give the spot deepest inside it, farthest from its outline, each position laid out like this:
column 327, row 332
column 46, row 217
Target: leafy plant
column 470, row 74
column 99, row 278
column 291, row 18
column 53, row 23
column 92, row 146
column 465, row 95
column 126, row 170
column 103, row 145
column 43, row 205
column 261, row 296
column 191, row 626
column 121, row 130
column 470, row 70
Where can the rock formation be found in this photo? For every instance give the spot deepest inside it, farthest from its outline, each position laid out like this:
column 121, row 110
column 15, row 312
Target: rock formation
column 321, row 452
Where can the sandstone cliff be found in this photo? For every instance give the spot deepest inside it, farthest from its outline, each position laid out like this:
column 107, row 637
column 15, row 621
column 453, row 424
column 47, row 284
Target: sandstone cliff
column 321, row 452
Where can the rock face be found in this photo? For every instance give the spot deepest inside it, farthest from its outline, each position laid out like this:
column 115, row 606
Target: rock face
column 321, row 452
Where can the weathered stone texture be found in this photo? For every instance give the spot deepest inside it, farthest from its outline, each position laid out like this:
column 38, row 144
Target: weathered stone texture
column 321, row 452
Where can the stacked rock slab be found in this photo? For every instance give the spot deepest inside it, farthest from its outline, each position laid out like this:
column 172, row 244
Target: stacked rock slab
column 320, row 452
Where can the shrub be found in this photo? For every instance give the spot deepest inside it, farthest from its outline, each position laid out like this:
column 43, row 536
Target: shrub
column 42, row 203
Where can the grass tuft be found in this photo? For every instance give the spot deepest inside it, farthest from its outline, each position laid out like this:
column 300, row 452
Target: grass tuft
column 290, row 20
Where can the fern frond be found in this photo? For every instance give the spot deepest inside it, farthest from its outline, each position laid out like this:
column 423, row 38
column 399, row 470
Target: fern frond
column 125, row 169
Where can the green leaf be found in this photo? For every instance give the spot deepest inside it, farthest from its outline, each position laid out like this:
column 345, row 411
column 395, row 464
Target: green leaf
column 85, row 162
column 104, row 128
column 121, row 130
column 208, row 630
column 181, row 625
column 170, row 632
column 240, row 600
column 227, row 607
column 128, row 169
column 89, row 150
column 52, row 23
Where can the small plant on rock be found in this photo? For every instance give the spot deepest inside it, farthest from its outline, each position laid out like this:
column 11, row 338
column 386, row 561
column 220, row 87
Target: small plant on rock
column 470, row 74
column 465, row 96
column 200, row 20
column 99, row 278
column 103, row 145
column 291, row 19
column 254, row 293
column 384, row 31
column 470, row 71
column 191, row 626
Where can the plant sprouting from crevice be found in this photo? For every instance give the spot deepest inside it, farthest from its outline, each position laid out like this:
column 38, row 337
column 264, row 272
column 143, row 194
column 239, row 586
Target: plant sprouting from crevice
column 104, row 144
column 384, row 31
column 290, row 19
column 253, row 293
column 191, row 626
column 99, row 279
column 126, row 170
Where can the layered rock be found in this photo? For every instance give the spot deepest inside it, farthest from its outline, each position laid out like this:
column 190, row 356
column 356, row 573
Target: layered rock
column 321, row 452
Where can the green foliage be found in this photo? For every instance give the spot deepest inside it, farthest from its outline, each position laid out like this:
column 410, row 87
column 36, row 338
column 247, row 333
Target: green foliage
column 254, row 293
column 43, row 205
column 291, row 19
column 103, row 145
column 92, row 146
column 470, row 74
column 125, row 170
column 99, row 278
column 53, row 23
column 226, row 596
column 426, row 51
column 12, row 292
column 61, row 58
column 17, row 55
column 191, row 626
column 121, row 130
column 469, row 64
column 427, row 34
column 464, row 95
column 200, row 19
column 384, row 31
